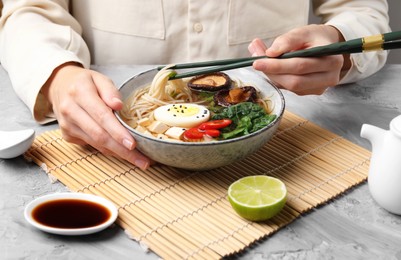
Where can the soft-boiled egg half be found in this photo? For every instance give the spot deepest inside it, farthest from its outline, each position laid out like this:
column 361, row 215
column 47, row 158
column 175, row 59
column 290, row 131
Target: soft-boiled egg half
column 182, row 115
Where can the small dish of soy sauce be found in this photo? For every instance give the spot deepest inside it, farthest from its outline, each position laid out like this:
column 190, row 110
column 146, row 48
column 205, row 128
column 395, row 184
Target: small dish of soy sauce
column 71, row 213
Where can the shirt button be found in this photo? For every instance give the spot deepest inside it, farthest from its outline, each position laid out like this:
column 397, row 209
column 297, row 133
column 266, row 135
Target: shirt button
column 198, row 27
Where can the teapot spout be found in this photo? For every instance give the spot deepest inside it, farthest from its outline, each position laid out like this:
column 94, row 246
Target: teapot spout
column 373, row 133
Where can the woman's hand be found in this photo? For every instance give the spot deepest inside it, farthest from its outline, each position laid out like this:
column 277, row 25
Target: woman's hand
column 302, row 75
column 83, row 102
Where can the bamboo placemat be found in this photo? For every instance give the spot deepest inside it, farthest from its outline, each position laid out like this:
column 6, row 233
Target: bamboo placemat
column 183, row 214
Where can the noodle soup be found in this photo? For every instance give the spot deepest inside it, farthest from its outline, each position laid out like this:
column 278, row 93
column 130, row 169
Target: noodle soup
column 206, row 108
column 208, row 152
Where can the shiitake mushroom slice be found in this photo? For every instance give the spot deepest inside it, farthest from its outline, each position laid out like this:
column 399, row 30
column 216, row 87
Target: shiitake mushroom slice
column 210, row 82
column 228, row 97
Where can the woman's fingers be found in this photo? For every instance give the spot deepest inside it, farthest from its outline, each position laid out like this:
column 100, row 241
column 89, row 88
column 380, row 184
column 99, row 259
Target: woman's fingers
column 307, row 83
column 107, row 90
column 257, row 47
column 91, row 133
column 85, row 114
column 300, row 75
column 298, row 66
column 311, row 84
column 111, row 97
column 102, row 115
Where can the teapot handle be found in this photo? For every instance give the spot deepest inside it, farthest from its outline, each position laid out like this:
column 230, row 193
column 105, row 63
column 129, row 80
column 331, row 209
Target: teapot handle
column 373, row 133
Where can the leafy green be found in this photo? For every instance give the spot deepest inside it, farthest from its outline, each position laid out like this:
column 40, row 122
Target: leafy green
column 206, row 96
column 247, row 118
column 259, row 123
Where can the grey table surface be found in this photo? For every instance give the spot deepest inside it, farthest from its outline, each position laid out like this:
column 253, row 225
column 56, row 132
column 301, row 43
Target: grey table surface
column 352, row 226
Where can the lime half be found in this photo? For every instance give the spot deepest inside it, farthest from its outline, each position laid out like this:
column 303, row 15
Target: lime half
column 258, row 197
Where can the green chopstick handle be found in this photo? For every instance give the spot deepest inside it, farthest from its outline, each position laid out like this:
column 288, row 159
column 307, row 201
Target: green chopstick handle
column 370, row 43
column 332, row 49
column 392, row 36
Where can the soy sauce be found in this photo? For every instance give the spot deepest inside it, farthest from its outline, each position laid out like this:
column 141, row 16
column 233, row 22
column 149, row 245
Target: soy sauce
column 71, row 213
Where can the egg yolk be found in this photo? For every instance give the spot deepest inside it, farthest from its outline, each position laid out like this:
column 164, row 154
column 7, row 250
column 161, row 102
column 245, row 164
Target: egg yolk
column 183, row 110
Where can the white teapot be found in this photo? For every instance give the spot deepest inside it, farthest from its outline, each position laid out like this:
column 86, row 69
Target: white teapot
column 384, row 179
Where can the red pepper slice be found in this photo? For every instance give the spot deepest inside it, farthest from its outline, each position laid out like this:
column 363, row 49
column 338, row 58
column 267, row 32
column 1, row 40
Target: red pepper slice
column 215, row 124
column 196, row 133
column 193, row 133
column 212, row 132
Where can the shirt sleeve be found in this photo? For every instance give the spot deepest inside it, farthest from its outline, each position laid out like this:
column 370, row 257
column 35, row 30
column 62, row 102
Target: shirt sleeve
column 355, row 19
column 35, row 38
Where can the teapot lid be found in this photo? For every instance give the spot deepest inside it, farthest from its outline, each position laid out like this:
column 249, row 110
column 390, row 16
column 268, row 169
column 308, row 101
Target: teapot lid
column 395, row 125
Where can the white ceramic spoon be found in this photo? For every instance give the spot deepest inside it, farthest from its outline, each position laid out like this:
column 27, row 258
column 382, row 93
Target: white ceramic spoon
column 15, row 143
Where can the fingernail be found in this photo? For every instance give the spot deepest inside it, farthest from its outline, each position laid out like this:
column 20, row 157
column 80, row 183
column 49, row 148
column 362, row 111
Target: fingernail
column 251, row 49
column 128, row 144
column 117, row 100
column 142, row 164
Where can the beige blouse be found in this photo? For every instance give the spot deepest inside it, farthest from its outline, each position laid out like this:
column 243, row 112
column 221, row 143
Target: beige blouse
column 37, row 36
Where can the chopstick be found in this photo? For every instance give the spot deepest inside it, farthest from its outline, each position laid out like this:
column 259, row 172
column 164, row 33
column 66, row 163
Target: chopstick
column 385, row 41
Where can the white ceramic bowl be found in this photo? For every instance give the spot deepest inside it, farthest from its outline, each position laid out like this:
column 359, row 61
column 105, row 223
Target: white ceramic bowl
column 15, row 143
column 204, row 156
column 113, row 213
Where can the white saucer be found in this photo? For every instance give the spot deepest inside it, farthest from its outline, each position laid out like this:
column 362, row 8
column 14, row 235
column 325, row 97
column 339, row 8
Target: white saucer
column 71, row 231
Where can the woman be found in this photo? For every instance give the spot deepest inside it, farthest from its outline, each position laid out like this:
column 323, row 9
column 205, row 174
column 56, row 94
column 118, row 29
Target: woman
column 47, row 47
